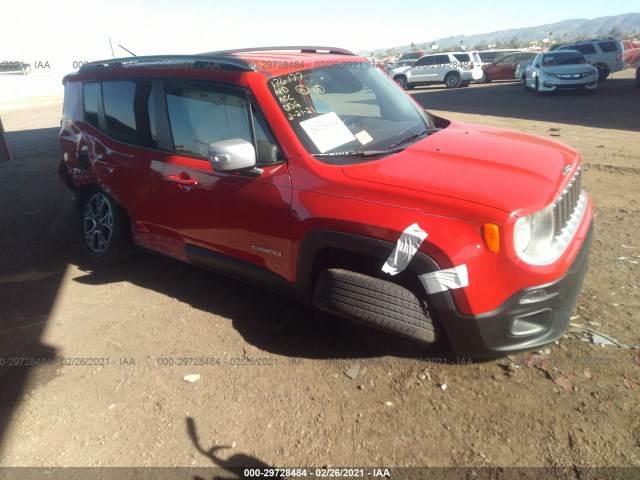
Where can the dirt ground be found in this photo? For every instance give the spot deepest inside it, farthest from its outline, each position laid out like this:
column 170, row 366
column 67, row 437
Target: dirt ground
column 319, row 393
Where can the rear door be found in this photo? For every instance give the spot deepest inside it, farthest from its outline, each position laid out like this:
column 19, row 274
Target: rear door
column 420, row 70
column 442, row 65
column 505, row 67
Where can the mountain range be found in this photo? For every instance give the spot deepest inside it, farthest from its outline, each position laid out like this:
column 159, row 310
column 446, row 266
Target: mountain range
column 565, row 30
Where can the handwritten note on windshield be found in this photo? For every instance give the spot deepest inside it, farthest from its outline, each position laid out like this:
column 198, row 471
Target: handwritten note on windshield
column 327, row 131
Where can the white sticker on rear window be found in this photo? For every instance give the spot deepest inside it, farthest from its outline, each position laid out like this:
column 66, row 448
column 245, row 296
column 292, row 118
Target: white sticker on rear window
column 327, row 131
column 364, row 137
column 405, row 249
column 448, row 279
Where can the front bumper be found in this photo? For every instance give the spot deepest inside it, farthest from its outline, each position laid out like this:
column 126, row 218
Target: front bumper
column 530, row 318
column 553, row 84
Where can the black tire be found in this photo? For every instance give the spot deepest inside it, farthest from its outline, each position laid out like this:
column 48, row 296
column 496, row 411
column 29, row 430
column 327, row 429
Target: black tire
column 638, row 77
column 526, row 87
column 466, row 84
column 452, row 80
column 105, row 229
column 410, row 87
column 401, row 80
column 485, row 78
column 523, row 78
column 603, row 73
column 374, row 302
column 537, row 89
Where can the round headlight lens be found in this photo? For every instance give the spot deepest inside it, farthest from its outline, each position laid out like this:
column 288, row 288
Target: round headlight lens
column 523, row 233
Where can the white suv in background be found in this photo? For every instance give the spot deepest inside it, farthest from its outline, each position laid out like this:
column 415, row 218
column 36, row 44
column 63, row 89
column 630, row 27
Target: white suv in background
column 606, row 54
column 454, row 69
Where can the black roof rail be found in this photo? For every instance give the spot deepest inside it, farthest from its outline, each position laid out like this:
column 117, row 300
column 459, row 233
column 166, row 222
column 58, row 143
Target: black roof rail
column 196, row 61
column 301, row 49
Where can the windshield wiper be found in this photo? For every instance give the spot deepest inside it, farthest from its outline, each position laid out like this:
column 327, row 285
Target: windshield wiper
column 412, row 136
column 352, row 153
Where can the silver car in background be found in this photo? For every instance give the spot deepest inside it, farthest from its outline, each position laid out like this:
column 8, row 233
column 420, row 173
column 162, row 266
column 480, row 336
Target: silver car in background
column 521, row 70
column 560, row 70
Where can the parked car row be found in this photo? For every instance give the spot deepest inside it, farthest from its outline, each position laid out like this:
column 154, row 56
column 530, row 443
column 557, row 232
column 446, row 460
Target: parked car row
column 577, row 65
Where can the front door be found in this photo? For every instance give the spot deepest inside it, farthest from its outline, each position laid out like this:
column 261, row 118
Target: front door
column 241, row 215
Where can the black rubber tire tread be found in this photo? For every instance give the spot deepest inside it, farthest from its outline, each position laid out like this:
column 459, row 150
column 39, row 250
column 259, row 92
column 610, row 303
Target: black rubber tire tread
column 603, row 74
column 374, row 302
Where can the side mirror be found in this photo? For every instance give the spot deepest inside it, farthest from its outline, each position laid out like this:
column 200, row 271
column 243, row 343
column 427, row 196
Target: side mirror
column 229, row 155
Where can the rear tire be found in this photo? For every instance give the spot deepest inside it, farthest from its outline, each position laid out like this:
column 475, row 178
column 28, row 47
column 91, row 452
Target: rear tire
column 452, row 80
column 374, row 302
column 105, row 229
column 485, row 78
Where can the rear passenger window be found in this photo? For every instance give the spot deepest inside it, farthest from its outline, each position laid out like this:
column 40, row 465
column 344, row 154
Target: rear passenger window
column 586, row 49
column 91, row 94
column 203, row 114
column 127, row 108
column 608, row 46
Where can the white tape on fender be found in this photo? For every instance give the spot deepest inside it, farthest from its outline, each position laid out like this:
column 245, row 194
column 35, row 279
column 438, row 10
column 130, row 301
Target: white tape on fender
column 405, row 249
column 448, row 279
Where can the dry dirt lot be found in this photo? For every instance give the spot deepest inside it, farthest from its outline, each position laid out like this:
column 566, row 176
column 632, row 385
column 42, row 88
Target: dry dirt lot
column 307, row 404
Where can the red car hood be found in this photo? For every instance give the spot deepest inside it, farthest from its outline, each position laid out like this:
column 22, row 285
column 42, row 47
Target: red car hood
column 499, row 168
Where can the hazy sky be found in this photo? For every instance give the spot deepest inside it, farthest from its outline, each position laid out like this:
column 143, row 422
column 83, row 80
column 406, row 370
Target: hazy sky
column 64, row 31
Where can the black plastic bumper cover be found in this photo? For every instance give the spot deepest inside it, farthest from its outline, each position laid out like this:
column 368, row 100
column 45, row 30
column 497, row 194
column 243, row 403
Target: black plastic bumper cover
column 519, row 325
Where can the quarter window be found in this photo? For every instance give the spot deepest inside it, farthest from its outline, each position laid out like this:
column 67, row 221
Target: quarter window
column 608, row 46
column 91, row 94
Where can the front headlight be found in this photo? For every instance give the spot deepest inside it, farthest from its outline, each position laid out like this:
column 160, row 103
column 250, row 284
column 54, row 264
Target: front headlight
column 533, row 237
column 523, row 233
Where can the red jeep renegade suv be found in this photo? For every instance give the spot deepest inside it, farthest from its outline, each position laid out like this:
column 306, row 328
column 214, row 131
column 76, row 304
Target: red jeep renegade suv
column 308, row 171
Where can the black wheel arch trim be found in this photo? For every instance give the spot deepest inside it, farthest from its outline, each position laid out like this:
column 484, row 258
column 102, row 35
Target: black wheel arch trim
column 317, row 240
column 311, row 246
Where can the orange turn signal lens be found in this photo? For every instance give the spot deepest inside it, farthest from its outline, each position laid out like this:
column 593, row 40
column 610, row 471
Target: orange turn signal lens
column 491, row 234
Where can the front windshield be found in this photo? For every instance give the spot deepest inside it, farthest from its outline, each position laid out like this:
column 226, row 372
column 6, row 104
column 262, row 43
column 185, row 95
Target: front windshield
column 349, row 109
column 558, row 58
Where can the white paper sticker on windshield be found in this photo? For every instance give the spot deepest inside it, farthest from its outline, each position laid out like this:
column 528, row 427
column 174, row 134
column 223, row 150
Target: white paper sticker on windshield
column 363, row 137
column 327, row 131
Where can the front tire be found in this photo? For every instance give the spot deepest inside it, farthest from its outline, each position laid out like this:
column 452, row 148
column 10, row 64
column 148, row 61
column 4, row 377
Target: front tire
column 603, row 73
column 537, row 89
column 377, row 303
column 453, row 80
column 105, row 229
column 401, row 80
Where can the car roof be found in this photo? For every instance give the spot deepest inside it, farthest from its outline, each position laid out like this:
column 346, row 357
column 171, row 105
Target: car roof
column 558, row 52
column 273, row 61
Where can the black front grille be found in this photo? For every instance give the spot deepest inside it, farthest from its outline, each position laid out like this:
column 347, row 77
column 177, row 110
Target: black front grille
column 566, row 203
